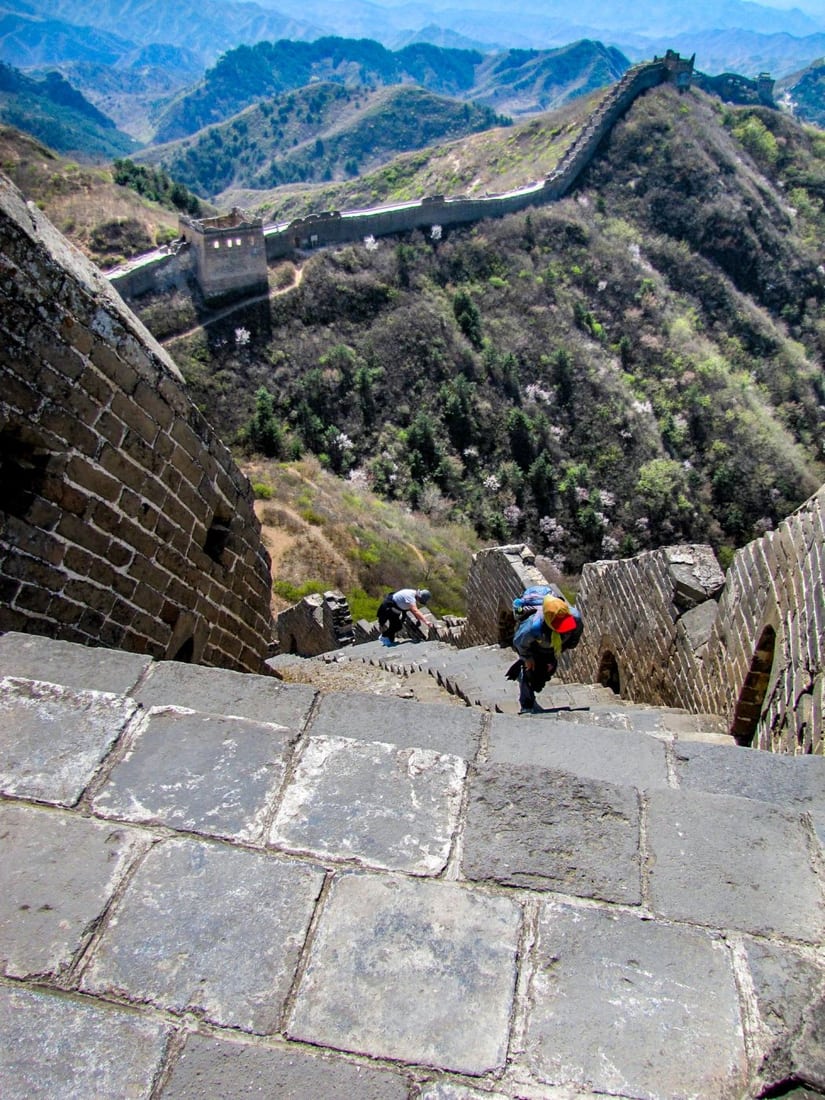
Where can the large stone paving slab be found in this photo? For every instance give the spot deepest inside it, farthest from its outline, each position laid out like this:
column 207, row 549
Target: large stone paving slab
column 625, row 1006
column 62, row 1048
column 209, row 1069
column 548, row 830
column 53, row 739
column 734, row 863
column 615, row 756
column 417, row 971
column 789, row 988
column 412, row 725
column 85, row 668
column 198, row 772
column 58, row 873
column 221, row 691
column 794, row 782
column 211, row 929
column 392, row 808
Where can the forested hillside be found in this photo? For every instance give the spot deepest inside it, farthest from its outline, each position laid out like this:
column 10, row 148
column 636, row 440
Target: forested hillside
column 513, row 82
column 638, row 364
column 323, row 131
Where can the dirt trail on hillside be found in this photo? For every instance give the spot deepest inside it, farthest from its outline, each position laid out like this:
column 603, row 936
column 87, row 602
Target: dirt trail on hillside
column 221, row 314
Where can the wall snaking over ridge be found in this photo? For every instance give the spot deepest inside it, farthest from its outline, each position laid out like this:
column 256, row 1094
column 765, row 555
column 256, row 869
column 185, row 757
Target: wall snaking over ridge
column 341, row 227
column 124, row 521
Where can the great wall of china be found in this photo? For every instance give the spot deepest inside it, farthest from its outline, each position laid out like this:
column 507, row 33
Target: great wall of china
column 127, row 524
column 219, row 883
column 221, row 270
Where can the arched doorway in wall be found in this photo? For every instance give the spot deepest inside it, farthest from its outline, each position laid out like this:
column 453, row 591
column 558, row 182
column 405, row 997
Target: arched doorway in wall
column 608, row 674
column 186, row 652
column 748, row 708
column 187, row 641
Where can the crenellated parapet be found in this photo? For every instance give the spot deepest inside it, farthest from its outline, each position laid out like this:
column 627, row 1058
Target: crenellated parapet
column 124, row 521
column 228, row 252
column 225, row 250
column 669, row 628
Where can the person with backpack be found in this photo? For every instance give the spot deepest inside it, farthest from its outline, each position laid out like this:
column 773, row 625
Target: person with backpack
column 392, row 612
column 541, row 637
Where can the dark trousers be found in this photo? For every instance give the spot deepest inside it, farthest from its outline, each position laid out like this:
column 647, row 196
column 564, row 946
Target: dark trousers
column 535, row 679
column 390, row 618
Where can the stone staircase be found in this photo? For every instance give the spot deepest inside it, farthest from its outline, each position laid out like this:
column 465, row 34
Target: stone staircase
column 219, row 885
column 477, row 675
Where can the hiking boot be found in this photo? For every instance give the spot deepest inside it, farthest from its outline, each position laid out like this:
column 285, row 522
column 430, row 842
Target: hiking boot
column 386, row 641
column 535, row 709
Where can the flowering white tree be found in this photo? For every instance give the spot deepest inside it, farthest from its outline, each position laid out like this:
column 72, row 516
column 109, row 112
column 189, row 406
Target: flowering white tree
column 242, row 337
column 435, row 233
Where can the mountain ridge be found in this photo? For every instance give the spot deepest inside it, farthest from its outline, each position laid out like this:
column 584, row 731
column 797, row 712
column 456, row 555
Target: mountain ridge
column 635, row 364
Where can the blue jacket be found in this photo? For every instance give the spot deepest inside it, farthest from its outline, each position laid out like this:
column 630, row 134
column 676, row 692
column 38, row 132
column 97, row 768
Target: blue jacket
column 534, row 634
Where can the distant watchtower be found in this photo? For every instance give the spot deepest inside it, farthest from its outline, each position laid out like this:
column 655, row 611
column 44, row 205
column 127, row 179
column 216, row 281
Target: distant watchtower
column 764, row 89
column 229, row 254
column 680, row 69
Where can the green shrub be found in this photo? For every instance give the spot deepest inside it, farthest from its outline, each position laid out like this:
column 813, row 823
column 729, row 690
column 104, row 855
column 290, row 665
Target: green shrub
column 294, row 592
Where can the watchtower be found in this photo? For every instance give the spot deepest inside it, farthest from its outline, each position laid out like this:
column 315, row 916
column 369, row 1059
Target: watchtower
column 229, row 253
column 680, row 69
column 764, row 89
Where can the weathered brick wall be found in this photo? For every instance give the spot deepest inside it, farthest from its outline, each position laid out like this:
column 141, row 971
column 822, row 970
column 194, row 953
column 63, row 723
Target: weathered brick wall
column 772, row 612
column 497, row 576
column 316, row 624
column 646, row 621
column 669, row 628
column 124, row 520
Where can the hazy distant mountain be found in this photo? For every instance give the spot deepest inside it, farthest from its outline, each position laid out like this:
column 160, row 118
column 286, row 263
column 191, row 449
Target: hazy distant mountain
column 501, row 24
column 55, row 113
column 321, row 132
column 726, row 35
column 135, row 90
column 803, row 93
column 29, row 40
column 514, row 82
column 206, row 27
column 738, row 51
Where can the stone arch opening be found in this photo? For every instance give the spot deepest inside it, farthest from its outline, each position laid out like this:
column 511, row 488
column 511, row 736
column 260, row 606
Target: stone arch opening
column 24, row 468
column 748, row 709
column 186, row 652
column 217, row 538
column 608, row 674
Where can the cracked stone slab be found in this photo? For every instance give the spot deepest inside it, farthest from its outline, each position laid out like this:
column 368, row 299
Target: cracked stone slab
column 789, row 988
column 84, row 668
column 734, row 863
column 59, row 1046
column 387, row 807
column 209, row 1068
column 53, row 739
column 796, row 782
column 211, row 929
column 548, row 830
column 198, row 772
column 614, row 756
column 57, row 876
column 222, row 691
column 413, row 970
column 446, row 1090
column 395, row 721
column 629, row 1007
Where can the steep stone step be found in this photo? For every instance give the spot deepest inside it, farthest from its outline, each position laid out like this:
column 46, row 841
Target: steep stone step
column 477, row 675
column 329, row 874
